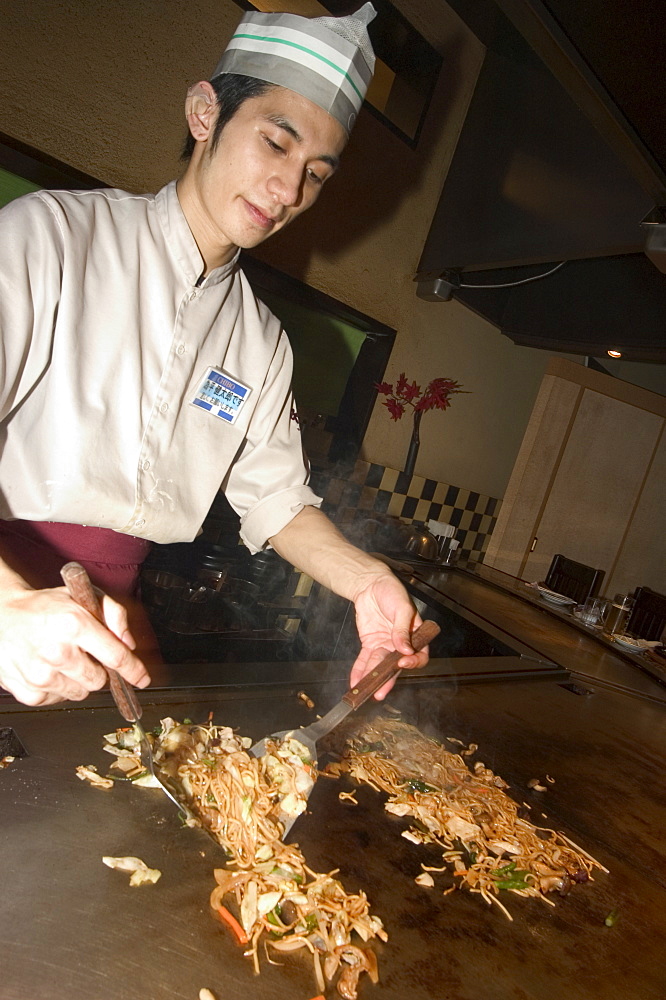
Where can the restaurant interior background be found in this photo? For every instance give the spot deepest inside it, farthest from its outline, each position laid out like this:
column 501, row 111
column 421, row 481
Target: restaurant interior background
column 97, row 92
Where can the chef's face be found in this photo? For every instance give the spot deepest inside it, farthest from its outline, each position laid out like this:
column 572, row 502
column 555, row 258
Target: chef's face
column 269, row 165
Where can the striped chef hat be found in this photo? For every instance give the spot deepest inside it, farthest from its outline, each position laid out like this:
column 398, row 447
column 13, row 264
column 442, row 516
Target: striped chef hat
column 329, row 60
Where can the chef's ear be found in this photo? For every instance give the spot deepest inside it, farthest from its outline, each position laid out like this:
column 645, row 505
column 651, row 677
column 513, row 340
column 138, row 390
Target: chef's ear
column 200, row 107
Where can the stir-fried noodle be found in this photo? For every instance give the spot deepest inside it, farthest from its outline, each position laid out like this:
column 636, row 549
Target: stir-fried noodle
column 281, row 903
column 485, row 841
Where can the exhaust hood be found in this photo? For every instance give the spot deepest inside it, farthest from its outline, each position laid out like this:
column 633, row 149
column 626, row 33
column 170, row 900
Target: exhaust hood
column 560, row 159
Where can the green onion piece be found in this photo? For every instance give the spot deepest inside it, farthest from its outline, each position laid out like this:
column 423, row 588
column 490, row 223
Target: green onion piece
column 510, row 877
column 415, row 785
column 512, row 883
column 611, row 918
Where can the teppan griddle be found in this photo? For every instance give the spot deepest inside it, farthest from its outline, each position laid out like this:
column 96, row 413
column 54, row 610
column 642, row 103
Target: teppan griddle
column 72, row 929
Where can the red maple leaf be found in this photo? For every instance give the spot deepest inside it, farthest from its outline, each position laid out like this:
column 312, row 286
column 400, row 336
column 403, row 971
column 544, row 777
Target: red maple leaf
column 411, row 392
column 395, row 408
column 384, row 387
column 439, row 392
column 401, row 384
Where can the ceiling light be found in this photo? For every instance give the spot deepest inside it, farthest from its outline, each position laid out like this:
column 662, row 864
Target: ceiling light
column 614, row 354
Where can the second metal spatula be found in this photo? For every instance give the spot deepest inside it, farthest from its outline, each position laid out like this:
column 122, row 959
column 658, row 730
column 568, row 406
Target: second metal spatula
column 353, row 699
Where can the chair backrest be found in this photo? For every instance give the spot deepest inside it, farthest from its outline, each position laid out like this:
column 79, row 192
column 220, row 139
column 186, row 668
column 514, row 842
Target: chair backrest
column 573, row 579
column 648, row 617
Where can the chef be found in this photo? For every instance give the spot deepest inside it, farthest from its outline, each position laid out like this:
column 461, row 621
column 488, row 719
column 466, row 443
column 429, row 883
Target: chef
column 139, row 374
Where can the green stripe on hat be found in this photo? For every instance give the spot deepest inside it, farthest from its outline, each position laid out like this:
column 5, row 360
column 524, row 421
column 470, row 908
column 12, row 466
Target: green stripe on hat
column 271, row 40
column 328, row 60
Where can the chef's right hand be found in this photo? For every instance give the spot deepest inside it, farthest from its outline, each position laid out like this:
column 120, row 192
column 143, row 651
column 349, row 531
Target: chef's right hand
column 52, row 650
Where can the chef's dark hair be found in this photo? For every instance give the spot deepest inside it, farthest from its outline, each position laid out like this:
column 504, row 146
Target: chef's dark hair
column 231, row 90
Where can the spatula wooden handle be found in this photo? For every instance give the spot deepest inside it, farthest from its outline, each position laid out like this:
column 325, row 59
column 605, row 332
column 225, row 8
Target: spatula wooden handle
column 82, row 591
column 386, row 669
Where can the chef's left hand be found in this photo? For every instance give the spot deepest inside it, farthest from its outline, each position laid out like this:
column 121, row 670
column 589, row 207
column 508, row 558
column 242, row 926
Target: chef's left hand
column 385, row 619
column 385, row 616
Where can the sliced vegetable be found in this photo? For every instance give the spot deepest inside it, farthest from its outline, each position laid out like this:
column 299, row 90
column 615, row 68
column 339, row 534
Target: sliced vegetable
column 229, row 919
column 425, row 879
column 415, row 785
column 267, row 902
column 89, row 773
column 141, row 874
column 510, row 877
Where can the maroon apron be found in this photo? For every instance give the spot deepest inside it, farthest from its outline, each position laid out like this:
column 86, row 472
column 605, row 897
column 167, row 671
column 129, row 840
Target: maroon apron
column 38, row 549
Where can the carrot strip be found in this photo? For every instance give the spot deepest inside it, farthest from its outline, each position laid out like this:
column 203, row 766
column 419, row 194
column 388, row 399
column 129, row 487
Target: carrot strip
column 232, row 923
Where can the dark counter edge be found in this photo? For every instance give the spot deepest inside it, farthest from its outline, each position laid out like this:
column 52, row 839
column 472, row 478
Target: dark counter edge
column 175, row 680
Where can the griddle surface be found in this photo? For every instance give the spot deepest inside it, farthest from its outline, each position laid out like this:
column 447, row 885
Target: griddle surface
column 72, row 929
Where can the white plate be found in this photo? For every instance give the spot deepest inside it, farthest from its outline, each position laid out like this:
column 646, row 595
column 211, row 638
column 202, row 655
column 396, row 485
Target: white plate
column 635, row 645
column 554, row 598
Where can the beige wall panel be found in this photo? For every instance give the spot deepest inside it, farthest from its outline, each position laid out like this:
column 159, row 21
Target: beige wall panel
column 532, row 474
column 597, row 484
column 474, row 443
column 600, row 382
column 642, row 559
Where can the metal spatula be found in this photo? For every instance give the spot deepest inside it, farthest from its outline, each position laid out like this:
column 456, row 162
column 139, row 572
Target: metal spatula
column 353, row 699
column 81, row 590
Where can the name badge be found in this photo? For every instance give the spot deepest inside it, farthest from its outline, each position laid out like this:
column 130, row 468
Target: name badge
column 221, row 395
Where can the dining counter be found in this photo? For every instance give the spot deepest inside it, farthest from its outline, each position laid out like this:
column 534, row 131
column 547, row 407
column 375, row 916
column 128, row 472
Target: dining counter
column 512, row 612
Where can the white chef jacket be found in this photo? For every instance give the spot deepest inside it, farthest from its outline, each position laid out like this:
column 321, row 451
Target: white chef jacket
column 105, row 338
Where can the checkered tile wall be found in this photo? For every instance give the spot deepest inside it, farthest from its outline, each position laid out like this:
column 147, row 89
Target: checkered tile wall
column 372, row 488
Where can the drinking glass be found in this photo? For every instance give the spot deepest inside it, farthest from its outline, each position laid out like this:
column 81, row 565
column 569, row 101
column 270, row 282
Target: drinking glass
column 594, row 611
column 618, row 614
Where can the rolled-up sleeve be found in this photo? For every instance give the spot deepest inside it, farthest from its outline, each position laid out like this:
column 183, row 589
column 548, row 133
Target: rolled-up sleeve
column 267, row 483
